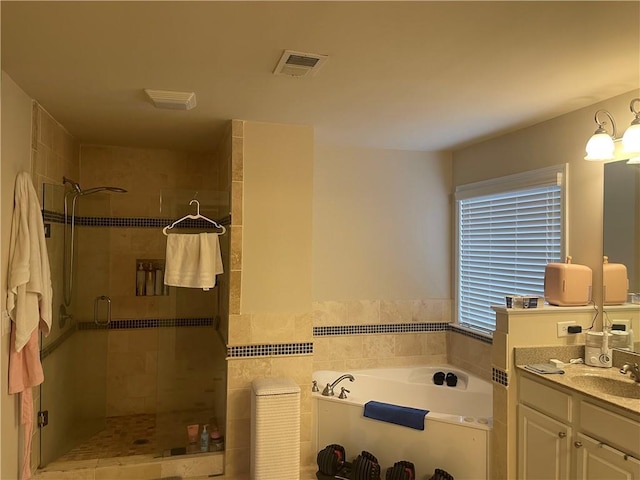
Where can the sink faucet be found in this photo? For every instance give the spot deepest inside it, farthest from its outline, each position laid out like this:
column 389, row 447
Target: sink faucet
column 328, row 390
column 634, row 371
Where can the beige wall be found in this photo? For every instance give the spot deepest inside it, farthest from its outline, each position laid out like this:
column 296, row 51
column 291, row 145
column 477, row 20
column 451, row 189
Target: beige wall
column 381, row 224
column 560, row 140
column 278, row 176
column 15, row 156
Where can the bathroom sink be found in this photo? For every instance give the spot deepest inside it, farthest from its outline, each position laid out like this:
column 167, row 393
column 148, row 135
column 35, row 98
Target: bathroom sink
column 609, row 386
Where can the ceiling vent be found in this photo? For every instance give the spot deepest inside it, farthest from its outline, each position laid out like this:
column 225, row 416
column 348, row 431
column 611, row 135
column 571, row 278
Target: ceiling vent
column 299, row 64
column 172, row 100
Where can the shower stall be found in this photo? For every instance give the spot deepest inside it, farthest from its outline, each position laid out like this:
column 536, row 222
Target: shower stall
column 125, row 372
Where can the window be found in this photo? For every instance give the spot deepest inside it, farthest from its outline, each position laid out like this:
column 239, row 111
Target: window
column 508, row 230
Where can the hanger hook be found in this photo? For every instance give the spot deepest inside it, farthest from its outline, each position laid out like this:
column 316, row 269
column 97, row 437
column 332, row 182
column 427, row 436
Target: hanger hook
column 197, row 205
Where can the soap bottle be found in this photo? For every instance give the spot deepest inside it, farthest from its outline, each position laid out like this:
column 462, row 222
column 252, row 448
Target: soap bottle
column 140, row 280
column 159, row 280
column 204, row 439
column 150, row 280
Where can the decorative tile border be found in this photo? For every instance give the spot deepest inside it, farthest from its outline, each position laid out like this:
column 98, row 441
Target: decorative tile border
column 469, row 333
column 54, row 217
column 397, row 328
column 148, row 323
column 500, row 376
column 379, row 328
column 270, row 350
column 143, row 222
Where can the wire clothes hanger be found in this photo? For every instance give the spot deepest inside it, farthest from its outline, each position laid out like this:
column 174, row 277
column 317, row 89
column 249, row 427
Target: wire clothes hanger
column 197, row 216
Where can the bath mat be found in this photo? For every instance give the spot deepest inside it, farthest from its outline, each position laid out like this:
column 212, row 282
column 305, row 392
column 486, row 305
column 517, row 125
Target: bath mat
column 405, row 416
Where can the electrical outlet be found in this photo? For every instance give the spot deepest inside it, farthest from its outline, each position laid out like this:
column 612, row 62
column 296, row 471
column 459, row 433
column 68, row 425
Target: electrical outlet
column 620, row 324
column 562, row 328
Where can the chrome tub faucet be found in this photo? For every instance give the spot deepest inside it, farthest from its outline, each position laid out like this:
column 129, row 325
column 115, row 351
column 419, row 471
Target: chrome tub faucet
column 633, row 369
column 328, row 390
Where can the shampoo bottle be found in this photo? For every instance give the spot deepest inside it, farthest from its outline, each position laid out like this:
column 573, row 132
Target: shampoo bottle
column 140, row 280
column 204, row 439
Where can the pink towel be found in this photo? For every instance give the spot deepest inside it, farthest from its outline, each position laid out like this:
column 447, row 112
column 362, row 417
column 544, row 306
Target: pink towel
column 25, row 371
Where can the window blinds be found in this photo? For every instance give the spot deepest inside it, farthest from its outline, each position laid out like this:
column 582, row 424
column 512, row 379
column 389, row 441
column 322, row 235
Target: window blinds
column 505, row 240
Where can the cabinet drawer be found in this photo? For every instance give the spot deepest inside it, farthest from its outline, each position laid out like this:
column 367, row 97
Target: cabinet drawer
column 545, row 399
column 610, row 428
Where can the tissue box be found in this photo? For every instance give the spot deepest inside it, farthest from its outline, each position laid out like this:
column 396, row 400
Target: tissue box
column 567, row 284
column 615, row 283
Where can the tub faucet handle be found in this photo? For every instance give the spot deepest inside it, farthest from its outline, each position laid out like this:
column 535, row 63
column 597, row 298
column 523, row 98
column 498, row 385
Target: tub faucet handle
column 314, row 387
column 343, row 392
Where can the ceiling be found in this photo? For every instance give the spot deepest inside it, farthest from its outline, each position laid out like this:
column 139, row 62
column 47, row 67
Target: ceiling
column 402, row 75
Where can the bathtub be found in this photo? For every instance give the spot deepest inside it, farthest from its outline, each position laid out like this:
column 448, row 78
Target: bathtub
column 457, row 430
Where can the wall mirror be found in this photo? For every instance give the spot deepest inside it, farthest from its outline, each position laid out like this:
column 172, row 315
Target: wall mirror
column 621, row 224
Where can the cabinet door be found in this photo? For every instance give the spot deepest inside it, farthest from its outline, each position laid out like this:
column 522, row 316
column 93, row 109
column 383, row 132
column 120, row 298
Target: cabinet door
column 597, row 461
column 543, row 446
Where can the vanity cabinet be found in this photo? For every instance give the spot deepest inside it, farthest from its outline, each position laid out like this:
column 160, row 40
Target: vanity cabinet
column 544, row 446
column 565, row 435
column 598, row 460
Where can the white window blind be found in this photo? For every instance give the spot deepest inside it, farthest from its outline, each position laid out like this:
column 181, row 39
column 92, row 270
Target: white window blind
column 505, row 240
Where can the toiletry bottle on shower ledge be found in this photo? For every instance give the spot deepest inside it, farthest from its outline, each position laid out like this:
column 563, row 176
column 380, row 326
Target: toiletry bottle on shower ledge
column 150, row 280
column 140, row 280
column 159, row 281
column 204, row 439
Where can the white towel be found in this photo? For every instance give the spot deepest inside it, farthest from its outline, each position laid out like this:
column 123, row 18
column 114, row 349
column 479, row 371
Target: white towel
column 193, row 260
column 29, row 292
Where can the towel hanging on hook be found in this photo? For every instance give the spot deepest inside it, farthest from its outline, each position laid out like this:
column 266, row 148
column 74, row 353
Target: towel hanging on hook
column 197, row 216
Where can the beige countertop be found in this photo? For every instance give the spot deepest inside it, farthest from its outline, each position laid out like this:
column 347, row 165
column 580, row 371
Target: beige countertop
column 571, row 371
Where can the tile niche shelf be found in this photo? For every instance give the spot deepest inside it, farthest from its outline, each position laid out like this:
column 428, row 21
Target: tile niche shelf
column 150, row 277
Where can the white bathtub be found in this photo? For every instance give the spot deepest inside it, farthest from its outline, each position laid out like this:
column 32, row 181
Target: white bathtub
column 457, row 427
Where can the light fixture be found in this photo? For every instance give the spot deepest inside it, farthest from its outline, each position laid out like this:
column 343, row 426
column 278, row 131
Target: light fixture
column 602, row 145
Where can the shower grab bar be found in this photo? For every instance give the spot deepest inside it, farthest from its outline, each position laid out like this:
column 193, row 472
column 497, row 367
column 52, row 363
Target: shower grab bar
column 95, row 310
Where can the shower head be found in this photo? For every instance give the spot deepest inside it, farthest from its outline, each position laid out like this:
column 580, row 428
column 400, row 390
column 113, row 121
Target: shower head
column 89, row 191
column 78, row 191
column 74, row 185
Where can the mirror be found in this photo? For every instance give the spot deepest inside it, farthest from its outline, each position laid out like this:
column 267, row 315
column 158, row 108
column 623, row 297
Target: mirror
column 621, row 228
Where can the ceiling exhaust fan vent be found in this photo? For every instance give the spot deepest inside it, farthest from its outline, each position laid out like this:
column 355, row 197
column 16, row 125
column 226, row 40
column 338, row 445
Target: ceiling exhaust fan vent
column 299, row 64
column 172, row 100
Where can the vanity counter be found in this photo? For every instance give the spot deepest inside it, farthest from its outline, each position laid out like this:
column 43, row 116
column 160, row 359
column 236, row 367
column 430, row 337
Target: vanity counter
column 567, row 380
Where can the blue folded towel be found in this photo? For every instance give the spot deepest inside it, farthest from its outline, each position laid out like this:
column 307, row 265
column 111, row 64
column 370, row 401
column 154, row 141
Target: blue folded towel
column 406, row 416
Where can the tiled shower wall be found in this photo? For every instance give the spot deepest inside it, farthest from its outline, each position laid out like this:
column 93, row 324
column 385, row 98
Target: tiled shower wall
column 138, row 358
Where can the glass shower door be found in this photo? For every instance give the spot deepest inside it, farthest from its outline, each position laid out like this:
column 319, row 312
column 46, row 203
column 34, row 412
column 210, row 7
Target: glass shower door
column 74, row 354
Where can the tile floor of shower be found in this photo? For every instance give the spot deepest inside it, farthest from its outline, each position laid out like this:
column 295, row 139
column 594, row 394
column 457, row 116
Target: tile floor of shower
column 138, row 434
column 141, row 445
